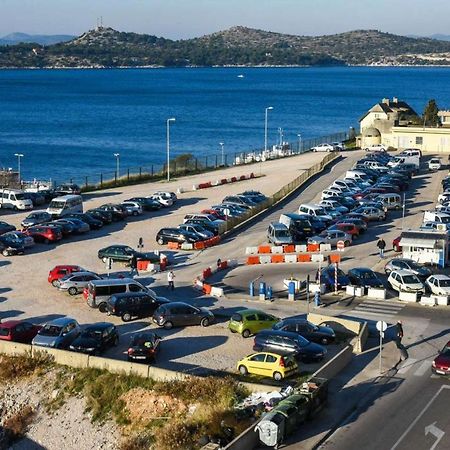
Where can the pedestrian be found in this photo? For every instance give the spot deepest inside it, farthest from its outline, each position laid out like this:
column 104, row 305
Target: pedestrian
column 133, row 265
column 398, row 341
column 381, row 246
column 317, row 275
column 219, row 262
column 170, row 278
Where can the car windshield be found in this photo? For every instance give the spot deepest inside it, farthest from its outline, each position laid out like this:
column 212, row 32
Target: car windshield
column 367, row 275
column 4, row 331
column 445, row 219
column 283, row 233
column 236, row 317
column 446, row 350
column 143, row 340
column 50, row 330
column 302, row 341
column 92, row 333
column 410, row 279
column 444, row 282
column 57, row 205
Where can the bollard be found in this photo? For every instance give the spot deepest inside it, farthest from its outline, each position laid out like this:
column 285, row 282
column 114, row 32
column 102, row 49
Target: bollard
column 269, row 293
column 291, row 291
column 262, row 290
column 252, row 289
column 317, row 299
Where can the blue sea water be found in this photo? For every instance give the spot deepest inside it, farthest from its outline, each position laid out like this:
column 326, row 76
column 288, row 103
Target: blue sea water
column 69, row 123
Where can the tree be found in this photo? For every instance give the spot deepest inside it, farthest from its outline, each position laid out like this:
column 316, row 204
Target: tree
column 430, row 114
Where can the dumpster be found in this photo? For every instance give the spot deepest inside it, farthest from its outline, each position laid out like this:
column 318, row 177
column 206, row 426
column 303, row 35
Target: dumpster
column 271, row 428
column 316, row 390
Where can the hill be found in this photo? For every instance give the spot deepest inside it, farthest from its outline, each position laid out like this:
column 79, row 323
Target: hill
column 237, row 46
column 41, row 39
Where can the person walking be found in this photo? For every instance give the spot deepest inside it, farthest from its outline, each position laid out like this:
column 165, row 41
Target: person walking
column 133, row 265
column 381, row 246
column 398, row 341
column 170, row 278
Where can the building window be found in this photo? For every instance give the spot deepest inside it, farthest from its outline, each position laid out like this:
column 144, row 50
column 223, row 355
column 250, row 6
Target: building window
column 419, row 140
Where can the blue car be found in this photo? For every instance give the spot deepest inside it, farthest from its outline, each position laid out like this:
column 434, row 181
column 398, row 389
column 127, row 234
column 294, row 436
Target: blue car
column 327, row 277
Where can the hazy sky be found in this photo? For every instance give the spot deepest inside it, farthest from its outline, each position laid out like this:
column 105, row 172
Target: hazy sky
column 188, row 18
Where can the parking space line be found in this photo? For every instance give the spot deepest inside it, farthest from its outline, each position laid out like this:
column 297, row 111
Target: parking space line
column 419, row 416
column 423, row 368
column 407, row 365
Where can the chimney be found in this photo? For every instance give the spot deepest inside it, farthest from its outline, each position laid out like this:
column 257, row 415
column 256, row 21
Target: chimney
column 394, row 100
column 385, row 101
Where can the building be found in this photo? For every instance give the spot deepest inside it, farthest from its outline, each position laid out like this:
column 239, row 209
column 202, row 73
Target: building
column 425, row 247
column 9, row 179
column 395, row 124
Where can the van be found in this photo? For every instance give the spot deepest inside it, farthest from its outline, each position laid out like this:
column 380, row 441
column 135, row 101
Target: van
column 357, row 175
column 401, row 160
column 314, row 210
column 435, row 226
column 434, row 216
column 299, row 226
column 14, row 199
column 411, row 152
column 390, row 201
column 278, row 234
column 65, row 205
column 98, row 292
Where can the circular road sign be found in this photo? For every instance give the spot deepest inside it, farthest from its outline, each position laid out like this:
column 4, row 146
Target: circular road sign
column 381, row 326
column 340, row 245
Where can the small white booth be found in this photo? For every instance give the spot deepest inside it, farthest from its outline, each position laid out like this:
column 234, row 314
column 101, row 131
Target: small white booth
column 425, row 247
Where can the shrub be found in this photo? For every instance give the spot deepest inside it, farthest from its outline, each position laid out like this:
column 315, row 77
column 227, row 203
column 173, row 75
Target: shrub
column 16, row 426
column 15, row 367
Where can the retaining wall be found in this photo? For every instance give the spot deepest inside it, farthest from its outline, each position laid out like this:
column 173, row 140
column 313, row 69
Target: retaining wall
column 336, row 364
column 351, row 327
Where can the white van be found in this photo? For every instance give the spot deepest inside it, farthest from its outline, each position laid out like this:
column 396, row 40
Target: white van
column 390, row 201
column 65, row 205
column 314, row 210
column 411, row 152
column 357, row 175
column 434, row 216
column 14, row 199
column 278, row 234
column 405, row 159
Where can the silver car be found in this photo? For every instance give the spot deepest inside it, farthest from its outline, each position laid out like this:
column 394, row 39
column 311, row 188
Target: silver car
column 331, row 237
column 58, row 333
column 133, row 208
column 76, row 282
column 371, row 213
column 197, row 229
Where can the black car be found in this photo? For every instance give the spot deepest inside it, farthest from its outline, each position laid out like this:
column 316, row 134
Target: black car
column 130, row 305
column 314, row 333
column 10, row 246
column 124, row 253
column 36, row 218
column 144, row 347
column 166, row 235
column 68, row 189
column 96, row 338
column 210, row 226
column 36, row 198
column 6, row 227
column 94, row 223
column 179, row 314
column 105, row 216
column 118, row 212
column 67, row 228
column 148, row 204
column 285, row 343
column 363, row 276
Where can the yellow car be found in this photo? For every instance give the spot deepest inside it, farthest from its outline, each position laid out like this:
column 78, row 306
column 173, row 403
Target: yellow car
column 268, row 365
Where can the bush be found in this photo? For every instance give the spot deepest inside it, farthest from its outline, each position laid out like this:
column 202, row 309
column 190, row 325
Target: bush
column 16, row 426
column 16, row 367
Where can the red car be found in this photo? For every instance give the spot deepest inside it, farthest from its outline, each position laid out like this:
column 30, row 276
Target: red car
column 214, row 213
column 441, row 364
column 18, row 331
column 42, row 233
column 347, row 227
column 61, row 271
column 396, row 244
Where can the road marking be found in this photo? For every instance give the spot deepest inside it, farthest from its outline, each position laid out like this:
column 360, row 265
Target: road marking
column 423, row 368
column 436, row 432
column 419, row 416
column 407, row 365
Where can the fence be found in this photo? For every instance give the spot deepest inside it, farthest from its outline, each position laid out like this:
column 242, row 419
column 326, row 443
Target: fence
column 187, row 164
column 283, row 192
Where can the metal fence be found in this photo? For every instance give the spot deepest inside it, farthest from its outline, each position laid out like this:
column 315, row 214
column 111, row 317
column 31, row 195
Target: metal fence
column 187, row 164
column 279, row 195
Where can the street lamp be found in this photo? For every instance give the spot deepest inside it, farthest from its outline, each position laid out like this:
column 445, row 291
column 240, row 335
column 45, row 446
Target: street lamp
column 269, row 108
column 172, row 119
column 299, row 142
column 117, row 155
column 223, row 156
column 19, row 155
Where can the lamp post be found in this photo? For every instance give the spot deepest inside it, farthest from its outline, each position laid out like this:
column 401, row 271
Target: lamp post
column 172, row 119
column 269, row 108
column 19, row 156
column 299, row 142
column 223, row 155
column 280, row 132
column 117, row 155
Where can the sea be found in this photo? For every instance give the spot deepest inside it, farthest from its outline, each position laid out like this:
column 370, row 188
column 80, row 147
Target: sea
column 70, row 123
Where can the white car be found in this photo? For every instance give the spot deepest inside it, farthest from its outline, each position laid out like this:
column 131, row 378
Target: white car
column 434, row 164
column 405, row 281
column 165, row 201
column 444, row 197
column 338, row 146
column 330, row 193
column 323, row 148
column 133, row 208
column 376, row 148
column 438, row 284
column 167, row 194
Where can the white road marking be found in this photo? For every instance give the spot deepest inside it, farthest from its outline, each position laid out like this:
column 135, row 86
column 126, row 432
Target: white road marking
column 423, row 369
column 407, row 365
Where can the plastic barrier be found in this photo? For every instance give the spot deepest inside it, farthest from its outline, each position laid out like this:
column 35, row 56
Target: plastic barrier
column 252, row 260
column 310, row 248
column 304, row 257
column 277, row 259
column 173, row 245
column 264, row 249
column 313, row 247
column 207, row 288
column 289, row 248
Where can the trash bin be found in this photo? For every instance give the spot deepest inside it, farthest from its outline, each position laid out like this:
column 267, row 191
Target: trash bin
column 271, row 428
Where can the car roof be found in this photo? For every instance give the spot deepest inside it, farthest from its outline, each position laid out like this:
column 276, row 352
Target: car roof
column 132, row 294
column 61, row 321
column 66, row 266
column 269, row 331
column 78, row 273
column 246, row 312
column 10, row 323
column 99, row 326
column 440, row 277
column 402, row 272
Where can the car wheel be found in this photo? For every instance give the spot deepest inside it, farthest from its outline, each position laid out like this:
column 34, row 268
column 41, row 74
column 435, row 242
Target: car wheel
column 277, row 376
column 204, row 322
column 168, row 325
column 126, row 316
column 73, row 291
column 243, row 370
column 102, row 307
column 54, row 282
column 246, row 333
column 135, row 213
column 233, row 331
column 324, row 341
column 160, row 241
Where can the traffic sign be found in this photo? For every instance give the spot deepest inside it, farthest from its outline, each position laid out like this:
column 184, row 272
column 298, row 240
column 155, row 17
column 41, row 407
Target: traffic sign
column 226, row 212
column 340, row 245
column 381, row 326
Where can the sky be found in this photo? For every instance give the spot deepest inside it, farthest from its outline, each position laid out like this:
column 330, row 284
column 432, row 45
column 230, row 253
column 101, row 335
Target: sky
column 180, row 19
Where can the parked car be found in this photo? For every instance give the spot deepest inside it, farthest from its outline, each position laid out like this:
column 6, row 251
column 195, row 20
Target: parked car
column 36, row 218
column 405, row 281
column 36, row 198
column 323, row 148
column 166, row 235
column 118, row 212
column 438, row 284
column 44, row 233
column 147, row 204
column 6, row 227
column 434, row 164
column 371, row 213
column 441, row 364
column 68, row 189
column 10, row 245
column 93, row 222
column 165, row 201
column 359, row 223
column 327, row 277
column 144, row 347
column 129, row 305
column 268, row 364
column 251, row 321
column 365, row 277
column 133, row 208
column 167, row 194
column 105, row 216
column 79, row 227
column 210, row 226
column 376, row 148
column 19, row 236
column 321, row 334
column 75, row 283
column 124, row 253
column 216, row 213
column 61, row 271
column 346, row 227
column 58, row 333
column 96, row 338
column 287, row 343
column 331, row 237
column 18, row 331
column 196, row 229
column 67, row 228
column 176, row 314
column 409, row 265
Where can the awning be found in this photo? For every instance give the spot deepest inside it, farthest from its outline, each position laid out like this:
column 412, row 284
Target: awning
column 423, row 243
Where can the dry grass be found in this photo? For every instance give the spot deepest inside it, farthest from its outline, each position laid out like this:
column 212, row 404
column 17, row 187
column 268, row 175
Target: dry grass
column 13, row 368
column 16, row 426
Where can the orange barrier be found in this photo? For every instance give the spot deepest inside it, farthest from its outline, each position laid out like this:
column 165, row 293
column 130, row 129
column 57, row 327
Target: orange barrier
column 207, row 288
column 252, row 260
column 277, row 259
column 264, row 249
column 142, row 265
column 304, row 257
column 336, row 258
column 199, row 245
column 289, row 248
column 313, row 247
column 173, row 245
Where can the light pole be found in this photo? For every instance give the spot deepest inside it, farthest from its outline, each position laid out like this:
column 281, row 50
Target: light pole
column 280, row 132
column 299, row 142
column 269, row 108
column 19, row 156
column 172, row 119
column 223, row 155
column 117, row 155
